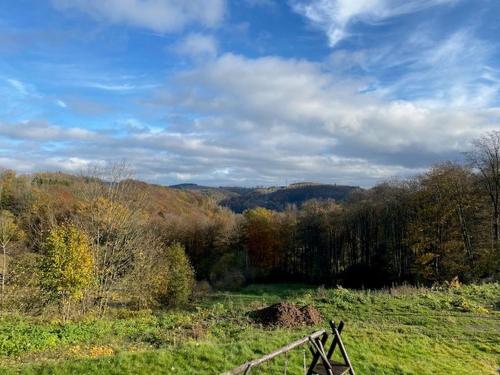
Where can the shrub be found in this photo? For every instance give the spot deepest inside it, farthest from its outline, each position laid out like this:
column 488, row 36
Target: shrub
column 202, row 289
column 23, row 293
column 343, row 298
column 67, row 267
column 161, row 275
column 181, row 274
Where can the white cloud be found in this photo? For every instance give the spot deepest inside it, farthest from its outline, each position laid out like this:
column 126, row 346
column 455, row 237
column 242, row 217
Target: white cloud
column 19, row 86
column 452, row 70
column 157, row 15
column 123, row 87
column 270, row 117
column 273, row 92
column 72, row 164
column 110, row 86
column 61, row 104
column 335, row 16
column 197, row 45
column 261, row 121
column 43, row 131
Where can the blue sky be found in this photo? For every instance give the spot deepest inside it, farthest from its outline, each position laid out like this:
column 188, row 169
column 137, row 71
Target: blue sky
column 247, row 92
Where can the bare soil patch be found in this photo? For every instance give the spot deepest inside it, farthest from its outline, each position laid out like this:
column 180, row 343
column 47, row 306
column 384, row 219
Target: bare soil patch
column 287, row 315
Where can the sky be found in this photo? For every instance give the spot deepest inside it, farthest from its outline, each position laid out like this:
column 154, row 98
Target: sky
column 247, row 92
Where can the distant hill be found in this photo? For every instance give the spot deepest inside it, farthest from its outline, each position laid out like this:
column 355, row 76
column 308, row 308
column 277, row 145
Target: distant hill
column 217, row 193
column 239, row 199
column 202, row 200
column 161, row 200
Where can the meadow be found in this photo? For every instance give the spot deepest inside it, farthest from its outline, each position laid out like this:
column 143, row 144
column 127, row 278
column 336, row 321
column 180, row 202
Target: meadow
column 403, row 330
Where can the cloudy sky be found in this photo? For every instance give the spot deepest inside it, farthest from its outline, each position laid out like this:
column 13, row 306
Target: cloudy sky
column 247, row 92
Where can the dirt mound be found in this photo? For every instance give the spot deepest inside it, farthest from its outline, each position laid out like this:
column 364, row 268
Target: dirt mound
column 287, row 315
column 311, row 315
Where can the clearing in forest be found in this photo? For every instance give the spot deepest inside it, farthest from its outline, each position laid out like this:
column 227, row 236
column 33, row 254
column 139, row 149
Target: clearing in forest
column 404, row 330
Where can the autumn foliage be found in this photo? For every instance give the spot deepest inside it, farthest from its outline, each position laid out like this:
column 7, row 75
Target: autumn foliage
column 68, row 265
column 104, row 238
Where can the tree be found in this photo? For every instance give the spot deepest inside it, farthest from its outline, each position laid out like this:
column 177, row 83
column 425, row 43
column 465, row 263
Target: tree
column 112, row 214
column 181, row 274
column 68, row 265
column 14, row 191
column 315, row 239
column 446, row 223
column 7, row 189
column 261, row 238
column 485, row 157
column 161, row 275
column 9, row 232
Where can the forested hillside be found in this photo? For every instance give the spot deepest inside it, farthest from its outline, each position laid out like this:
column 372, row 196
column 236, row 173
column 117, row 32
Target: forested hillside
column 87, row 238
column 145, row 243
column 239, row 199
column 217, row 193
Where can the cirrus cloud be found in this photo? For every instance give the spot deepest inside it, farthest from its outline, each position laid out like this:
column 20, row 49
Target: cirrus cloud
column 157, row 15
column 335, row 16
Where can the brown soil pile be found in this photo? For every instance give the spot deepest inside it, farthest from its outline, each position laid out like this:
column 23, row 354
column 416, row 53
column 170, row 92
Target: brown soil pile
column 287, row 315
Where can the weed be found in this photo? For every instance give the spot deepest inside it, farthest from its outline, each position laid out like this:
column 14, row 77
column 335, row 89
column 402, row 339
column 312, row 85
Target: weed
column 402, row 330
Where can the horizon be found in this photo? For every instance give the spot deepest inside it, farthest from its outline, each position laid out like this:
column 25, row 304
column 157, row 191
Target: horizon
column 290, row 184
column 247, row 93
column 138, row 179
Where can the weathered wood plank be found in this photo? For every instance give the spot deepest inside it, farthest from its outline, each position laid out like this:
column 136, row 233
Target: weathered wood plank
column 343, row 351
column 244, row 368
column 316, row 356
column 335, row 340
column 316, row 343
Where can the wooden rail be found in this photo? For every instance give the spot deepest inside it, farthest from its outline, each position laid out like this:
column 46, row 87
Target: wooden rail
column 245, row 368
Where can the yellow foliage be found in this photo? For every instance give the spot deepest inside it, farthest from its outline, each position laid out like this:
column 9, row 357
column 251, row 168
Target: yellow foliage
column 426, row 258
column 99, row 351
column 92, row 352
column 67, row 268
column 9, row 230
column 110, row 214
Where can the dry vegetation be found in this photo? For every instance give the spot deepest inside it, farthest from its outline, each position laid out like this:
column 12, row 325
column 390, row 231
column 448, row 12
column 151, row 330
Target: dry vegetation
column 102, row 246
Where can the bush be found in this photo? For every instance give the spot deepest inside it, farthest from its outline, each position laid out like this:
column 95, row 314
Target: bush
column 24, row 293
column 202, row 289
column 161, row 275
column 181, row 273
column 344, row 299
column 67, row 268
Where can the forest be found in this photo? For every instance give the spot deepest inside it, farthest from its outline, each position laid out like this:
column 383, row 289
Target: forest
column 81, row 243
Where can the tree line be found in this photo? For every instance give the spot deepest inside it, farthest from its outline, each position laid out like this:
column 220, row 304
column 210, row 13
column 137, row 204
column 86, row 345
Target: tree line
column 84, row 243
column 430, row 228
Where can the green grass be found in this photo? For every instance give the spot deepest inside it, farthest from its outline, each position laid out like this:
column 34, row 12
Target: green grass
column 402, row 331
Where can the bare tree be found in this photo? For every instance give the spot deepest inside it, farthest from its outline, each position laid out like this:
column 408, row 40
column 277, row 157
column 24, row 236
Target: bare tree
column 485, row 157
column 112, row 214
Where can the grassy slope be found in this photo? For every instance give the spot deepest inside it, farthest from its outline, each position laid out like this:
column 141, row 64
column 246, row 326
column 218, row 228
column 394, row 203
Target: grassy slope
column 408, row 331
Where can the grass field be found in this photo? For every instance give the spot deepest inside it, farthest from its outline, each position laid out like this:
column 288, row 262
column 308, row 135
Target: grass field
column 399, row 331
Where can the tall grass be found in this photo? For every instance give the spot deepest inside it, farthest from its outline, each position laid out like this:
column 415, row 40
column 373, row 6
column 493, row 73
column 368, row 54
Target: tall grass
column 403, row 330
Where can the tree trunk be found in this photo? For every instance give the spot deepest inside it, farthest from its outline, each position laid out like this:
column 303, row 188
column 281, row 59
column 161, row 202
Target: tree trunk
column 496, row 215
column 4, row 270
